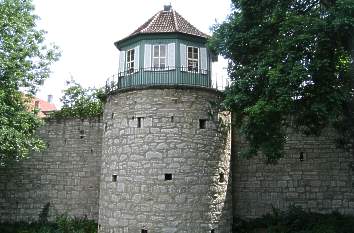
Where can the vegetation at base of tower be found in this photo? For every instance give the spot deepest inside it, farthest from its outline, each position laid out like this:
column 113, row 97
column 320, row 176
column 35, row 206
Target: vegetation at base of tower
column 291, row 65
column 62, row 224
column 79, row 102
column 24, row 64
column 296, row 220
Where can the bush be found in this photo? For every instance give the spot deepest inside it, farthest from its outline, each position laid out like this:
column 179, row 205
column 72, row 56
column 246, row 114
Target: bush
column 296, row 220
column 63, row 224
column 79, row 102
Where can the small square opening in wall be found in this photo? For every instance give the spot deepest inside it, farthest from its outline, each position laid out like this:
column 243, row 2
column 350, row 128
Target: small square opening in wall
column 202, row 123
column 114, row 178
column 140, row 122
column 168, row 176
column 144, row 231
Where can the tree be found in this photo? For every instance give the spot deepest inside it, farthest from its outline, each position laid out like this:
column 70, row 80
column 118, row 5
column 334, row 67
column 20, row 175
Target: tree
column 80, row 102
column 24, row 64
column 291, row 65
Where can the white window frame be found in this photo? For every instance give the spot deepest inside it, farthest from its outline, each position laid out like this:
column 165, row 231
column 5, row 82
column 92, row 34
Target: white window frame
column 193, row 60
column 130, row 61
column 159, row 57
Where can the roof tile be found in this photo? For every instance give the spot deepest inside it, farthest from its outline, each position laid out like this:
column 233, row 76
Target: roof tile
column 168, row 21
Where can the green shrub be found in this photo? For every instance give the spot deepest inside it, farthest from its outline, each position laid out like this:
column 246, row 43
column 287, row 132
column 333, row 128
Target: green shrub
column 63, row 224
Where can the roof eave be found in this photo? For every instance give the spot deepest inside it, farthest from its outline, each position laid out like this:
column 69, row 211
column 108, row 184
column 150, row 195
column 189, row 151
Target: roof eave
column 120, row 43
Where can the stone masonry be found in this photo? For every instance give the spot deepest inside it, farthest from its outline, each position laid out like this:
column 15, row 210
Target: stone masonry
column 313, row 174
column 169, row 143
column 66, row 174
column 165, row 163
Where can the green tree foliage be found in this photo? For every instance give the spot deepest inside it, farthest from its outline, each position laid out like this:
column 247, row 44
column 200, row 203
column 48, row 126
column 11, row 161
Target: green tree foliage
column 291, row 65
column 24, row 64
column 80, row 102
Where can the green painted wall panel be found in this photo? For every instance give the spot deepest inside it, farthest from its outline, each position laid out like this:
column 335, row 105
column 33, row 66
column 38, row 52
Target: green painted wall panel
column 168, row 77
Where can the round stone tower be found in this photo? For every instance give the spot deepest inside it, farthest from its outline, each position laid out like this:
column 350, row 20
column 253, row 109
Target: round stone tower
column 166, row 146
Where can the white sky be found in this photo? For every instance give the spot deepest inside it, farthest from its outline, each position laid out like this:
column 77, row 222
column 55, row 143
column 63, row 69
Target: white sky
column 85, row 31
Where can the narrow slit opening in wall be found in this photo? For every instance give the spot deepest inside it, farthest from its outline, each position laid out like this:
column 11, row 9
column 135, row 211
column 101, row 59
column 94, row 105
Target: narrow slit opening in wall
column 114, row 178
column 301, row 156
column 144, row 231
column 140, row 120
column 221, row 177
column 168, row 176
column 172, row 119
column 202, row 123
column 112, row 115
column 105, row 127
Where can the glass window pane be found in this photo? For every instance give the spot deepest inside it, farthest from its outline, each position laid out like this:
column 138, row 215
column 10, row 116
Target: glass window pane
column 162, row 50
column 156, row 62
column 190, row 55
column 132, row 56
column 156, row 50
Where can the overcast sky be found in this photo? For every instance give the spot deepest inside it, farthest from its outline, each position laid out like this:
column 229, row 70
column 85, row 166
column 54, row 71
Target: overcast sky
column 85, row 31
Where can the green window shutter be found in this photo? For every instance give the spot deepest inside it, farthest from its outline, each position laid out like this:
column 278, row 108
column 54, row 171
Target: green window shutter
column 203, row 60
column 136, row 59
column 171, row 56
column 147, row 57
column 183, row 55
column 121, row 63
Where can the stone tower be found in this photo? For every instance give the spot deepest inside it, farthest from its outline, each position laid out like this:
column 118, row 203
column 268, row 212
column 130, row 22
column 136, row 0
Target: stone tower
column 166, row 146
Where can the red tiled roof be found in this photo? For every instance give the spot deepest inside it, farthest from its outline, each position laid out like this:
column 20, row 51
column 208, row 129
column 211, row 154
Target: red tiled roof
column 168, row 21
column 43, row 106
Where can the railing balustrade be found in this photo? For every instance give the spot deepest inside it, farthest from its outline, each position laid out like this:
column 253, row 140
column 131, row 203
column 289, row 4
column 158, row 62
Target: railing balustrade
column 168, row 76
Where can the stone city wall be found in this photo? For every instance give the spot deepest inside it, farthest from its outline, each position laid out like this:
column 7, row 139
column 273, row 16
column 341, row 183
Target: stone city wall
column 66, row 174
column 313, row 174
column 169, row 141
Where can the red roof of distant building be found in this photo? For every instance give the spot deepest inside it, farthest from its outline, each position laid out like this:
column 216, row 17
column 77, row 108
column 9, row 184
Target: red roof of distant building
column 44, row 106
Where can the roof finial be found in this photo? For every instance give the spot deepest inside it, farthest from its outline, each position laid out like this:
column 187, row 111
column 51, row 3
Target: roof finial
column 167, row 7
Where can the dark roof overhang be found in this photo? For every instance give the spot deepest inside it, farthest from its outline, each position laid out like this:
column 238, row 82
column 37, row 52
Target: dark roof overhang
column 158, row 35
